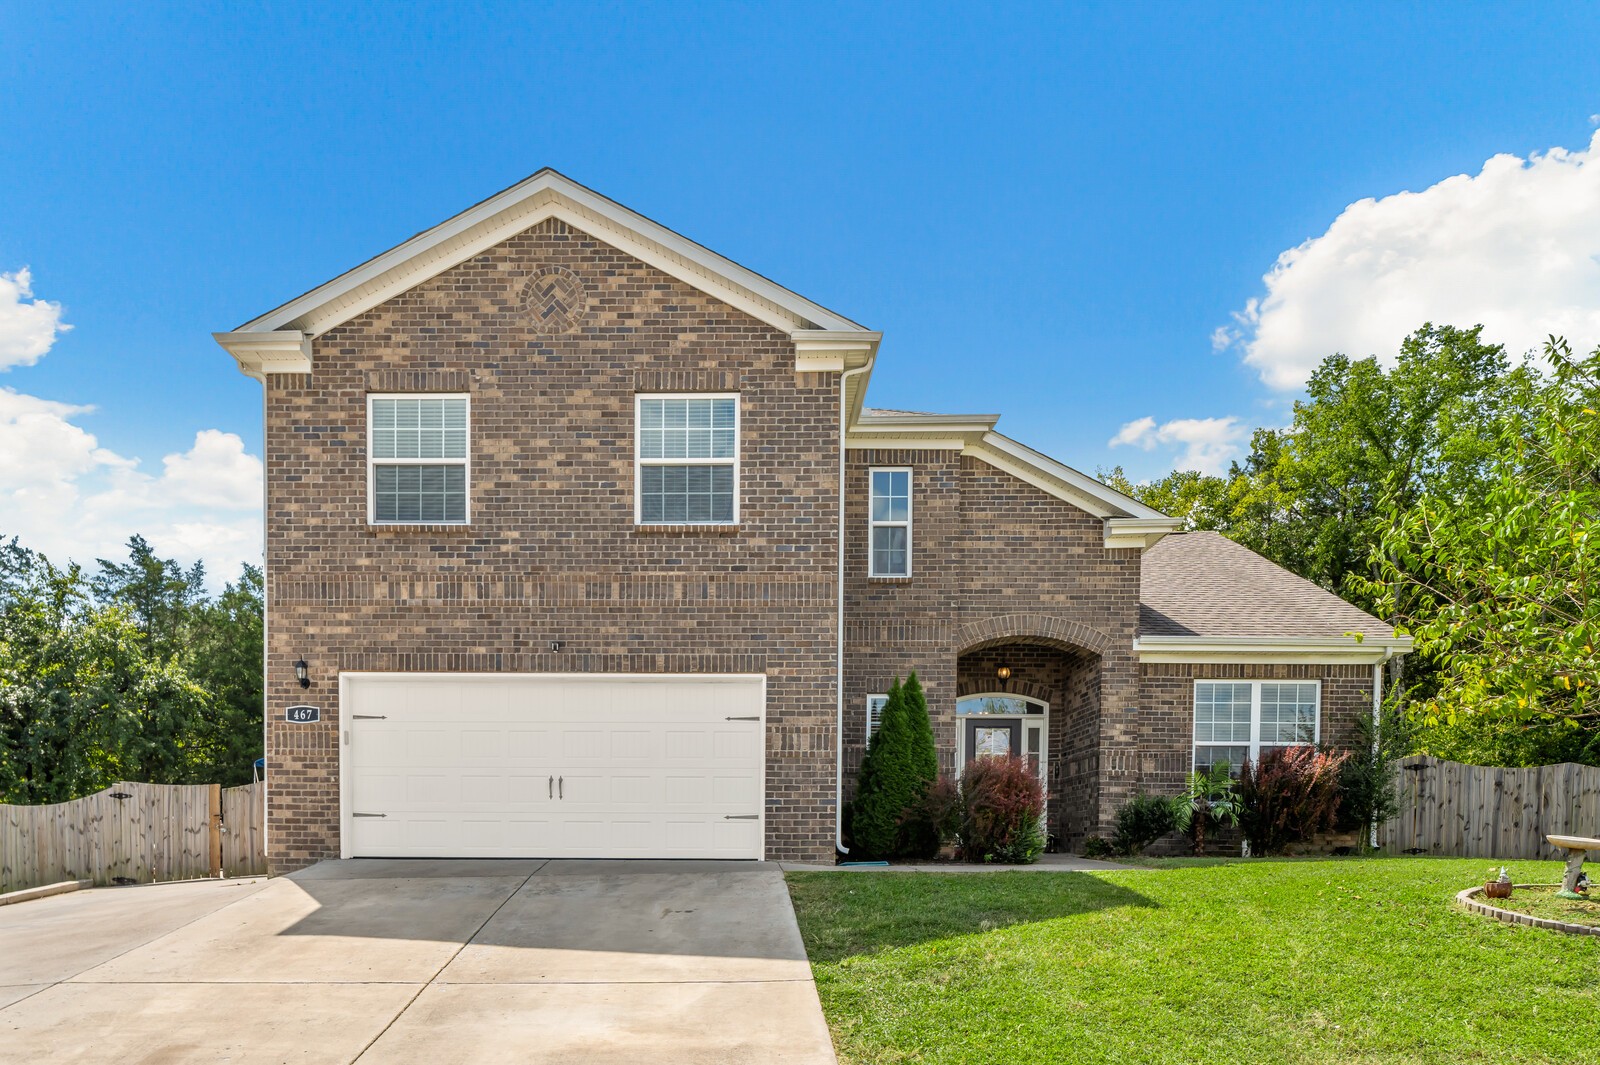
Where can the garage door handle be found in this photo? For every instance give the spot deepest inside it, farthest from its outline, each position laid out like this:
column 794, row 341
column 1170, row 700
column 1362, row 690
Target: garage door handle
column 752, row 717
column 740, row 817
column 561, row 791
column 550, row 787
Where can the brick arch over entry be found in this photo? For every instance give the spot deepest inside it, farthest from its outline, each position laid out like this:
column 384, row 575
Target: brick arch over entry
column 1003, row 628
column 1043, row 693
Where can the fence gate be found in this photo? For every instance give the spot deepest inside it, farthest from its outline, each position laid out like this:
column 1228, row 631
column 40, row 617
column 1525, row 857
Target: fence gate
column 135, row 833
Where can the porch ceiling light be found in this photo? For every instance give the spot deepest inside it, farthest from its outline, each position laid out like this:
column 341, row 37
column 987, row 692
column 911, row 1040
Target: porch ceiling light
column 1004, row 672
column 302, row 673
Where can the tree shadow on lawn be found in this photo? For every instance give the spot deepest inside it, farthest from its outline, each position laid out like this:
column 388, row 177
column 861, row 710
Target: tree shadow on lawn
column 846, row 914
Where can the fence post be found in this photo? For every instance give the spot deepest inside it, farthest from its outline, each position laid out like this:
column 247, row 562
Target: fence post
column 214, row 794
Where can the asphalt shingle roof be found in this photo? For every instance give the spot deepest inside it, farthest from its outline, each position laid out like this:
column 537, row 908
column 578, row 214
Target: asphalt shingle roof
column 1204, row 584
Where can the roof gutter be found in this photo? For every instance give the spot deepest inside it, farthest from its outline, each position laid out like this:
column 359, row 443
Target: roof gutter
column 1351, row 648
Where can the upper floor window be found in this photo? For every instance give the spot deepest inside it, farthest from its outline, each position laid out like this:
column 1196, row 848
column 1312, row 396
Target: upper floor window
column 417, row 459
column 687, row 460
column 890, row 550
column 1238, row 720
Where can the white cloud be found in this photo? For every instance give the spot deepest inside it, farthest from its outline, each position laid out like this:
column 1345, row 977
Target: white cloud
column 1209, row 444
column 28, row 326
column 1141, row 432
column 1515, row 247
column 63, row 494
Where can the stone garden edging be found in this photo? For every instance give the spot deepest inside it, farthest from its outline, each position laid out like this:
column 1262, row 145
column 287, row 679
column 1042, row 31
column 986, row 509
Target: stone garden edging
column 1468, row 900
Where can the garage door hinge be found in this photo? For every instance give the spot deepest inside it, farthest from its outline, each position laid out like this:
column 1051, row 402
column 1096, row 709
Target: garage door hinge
column 725, row 817
column 369, row 815
column 752, row 717
column 369, row 717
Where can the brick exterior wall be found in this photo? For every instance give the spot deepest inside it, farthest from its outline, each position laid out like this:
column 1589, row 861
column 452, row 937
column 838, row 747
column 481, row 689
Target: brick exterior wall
column 552, row 552
column 1167, row 736
column 997, row 562
column 1002, row 571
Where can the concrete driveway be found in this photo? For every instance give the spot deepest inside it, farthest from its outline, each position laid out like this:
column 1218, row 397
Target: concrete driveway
column 389, row 962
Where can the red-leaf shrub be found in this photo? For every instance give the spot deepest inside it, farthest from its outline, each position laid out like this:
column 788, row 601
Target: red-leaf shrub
column 1002, row 803
column 1287, row 797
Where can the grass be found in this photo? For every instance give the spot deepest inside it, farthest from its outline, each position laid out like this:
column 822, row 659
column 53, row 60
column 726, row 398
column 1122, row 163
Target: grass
column 1543, row 902
column 1344, row 960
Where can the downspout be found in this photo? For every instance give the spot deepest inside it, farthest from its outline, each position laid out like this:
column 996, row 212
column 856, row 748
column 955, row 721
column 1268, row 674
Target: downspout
column 1377, row 739
column 838, row 680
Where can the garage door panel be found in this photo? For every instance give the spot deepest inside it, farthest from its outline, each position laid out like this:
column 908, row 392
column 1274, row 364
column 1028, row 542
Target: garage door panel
column 649, row 766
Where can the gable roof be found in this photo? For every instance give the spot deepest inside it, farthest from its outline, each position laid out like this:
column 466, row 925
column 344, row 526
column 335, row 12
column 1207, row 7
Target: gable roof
column 1202, row 589
column 546, row 194
column 1130, row 522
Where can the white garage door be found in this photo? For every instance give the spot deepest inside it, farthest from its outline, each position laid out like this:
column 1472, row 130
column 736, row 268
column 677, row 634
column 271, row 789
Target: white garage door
column 602, row 766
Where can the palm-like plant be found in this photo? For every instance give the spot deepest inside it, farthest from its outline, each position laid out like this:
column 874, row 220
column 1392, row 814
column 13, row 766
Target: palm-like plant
column 1207, row 798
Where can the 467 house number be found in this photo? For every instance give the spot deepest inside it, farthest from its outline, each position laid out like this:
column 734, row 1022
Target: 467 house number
column 302, row 714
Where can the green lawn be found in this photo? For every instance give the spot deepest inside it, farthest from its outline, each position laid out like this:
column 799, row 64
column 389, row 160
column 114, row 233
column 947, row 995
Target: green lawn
column 1345, row 960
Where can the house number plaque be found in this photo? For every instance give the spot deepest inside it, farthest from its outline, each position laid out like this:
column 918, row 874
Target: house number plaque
column 302, row 714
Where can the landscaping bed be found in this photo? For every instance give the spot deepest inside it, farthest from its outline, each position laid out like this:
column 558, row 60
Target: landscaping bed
column 1341, row 960
column 1541, row 901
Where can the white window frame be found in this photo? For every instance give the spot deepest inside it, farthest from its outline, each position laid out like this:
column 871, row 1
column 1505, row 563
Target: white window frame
column 640, row 462
column 875, row 720
column 464, row 462
column 873, row 525
column 1255, row 717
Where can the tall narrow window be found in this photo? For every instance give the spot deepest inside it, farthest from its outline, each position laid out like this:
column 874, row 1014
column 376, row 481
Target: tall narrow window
column 890, row 550
column 688, row 460
column 1238, row 720
column 417, row 459
column 875, row 705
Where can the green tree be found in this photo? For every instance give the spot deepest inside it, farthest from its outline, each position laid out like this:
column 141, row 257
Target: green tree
column 224, row 657
column 137, row 677
column 1501, row 585
column 889, row 783
column 160, row 594
column 918, row 838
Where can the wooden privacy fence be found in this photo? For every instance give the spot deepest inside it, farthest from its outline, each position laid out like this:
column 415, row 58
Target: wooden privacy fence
column 135, row 833
column 1473, row 811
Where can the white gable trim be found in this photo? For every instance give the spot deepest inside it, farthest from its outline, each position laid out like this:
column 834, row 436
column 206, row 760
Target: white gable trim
column 1129, row 523
column 545, row 195
column 276, row 351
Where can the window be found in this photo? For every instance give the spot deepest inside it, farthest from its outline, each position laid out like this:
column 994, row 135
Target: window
column 1236, row 720
column 875, row 704
column 417, row 460
column 688, row 460
column 891, row 523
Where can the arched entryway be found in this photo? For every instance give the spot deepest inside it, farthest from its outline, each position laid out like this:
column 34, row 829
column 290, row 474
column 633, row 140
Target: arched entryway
column 1039, row 697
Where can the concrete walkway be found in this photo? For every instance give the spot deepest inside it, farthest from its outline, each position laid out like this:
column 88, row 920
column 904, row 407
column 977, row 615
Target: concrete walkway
column 394, row 963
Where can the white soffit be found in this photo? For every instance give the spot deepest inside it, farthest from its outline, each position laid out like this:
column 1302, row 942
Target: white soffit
column 547, row 194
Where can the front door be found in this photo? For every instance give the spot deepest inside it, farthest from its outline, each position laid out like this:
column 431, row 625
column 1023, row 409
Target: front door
column 993, row 739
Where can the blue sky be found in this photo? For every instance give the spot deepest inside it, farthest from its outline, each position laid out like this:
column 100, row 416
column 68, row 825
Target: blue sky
column 1050, row 211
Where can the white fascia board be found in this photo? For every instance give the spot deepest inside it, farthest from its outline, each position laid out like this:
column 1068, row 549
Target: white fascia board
column 545, row 195
column 1341, row 650
column 925, row 432
column 263, row 353
column 1142, row 533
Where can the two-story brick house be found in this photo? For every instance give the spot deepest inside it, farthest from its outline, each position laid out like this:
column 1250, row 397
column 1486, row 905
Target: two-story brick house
column 581, row 542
